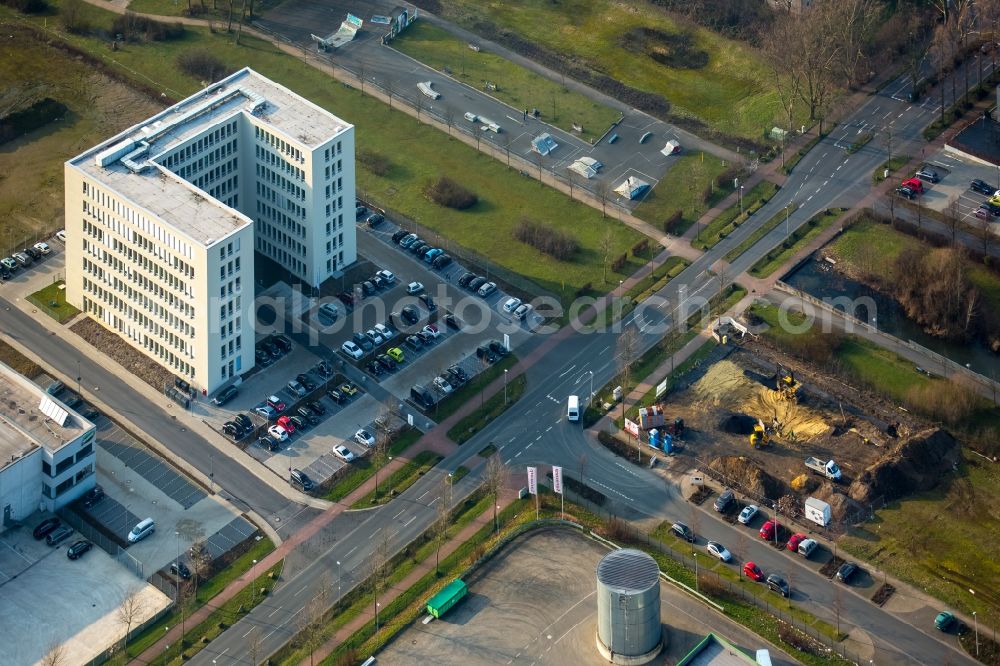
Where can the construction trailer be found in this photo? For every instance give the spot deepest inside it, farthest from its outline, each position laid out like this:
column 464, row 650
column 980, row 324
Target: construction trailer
column 450, row 595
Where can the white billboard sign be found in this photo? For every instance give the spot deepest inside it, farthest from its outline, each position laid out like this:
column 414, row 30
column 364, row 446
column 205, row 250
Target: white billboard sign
column 557, row 480
column 533, row 480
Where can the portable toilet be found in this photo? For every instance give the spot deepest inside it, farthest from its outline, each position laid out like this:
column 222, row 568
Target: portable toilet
column 668, row 441
column 654, row 438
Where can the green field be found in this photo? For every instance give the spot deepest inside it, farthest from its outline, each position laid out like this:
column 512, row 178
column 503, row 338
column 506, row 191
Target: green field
column 31, row 167
column 732, row 92
column 515, row 85
column 728, row 220
column 416, row 154
column 52, row 301
column 801, row 237
column 692, row 186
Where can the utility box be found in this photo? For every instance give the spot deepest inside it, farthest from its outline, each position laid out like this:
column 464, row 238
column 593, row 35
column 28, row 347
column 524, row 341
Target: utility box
column 818, row 511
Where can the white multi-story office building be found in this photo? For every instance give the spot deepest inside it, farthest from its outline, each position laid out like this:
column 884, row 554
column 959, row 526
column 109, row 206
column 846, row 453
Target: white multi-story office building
column 47, row 451
column 163, row 220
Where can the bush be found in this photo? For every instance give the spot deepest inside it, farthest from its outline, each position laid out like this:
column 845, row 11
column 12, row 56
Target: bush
column 584, row 290
column 73, row 19
column 448, row 193
column 553, row 242
column 377, row 163
column 671, row 224
column 27, row 6
column 619, row 263
column 202, row 64
column 134, row 28
column 640, row 248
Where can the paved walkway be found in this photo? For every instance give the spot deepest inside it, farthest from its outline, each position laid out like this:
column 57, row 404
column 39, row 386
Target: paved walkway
column 411, row 579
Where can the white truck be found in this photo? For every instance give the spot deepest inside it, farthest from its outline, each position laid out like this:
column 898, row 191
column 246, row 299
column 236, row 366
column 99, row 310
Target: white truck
column 817, row 511
column 826, row 468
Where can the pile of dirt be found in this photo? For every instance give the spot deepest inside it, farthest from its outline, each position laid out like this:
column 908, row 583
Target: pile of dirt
column 743, row 474
column 798, row 422
column 738, row 424
column 915, row 464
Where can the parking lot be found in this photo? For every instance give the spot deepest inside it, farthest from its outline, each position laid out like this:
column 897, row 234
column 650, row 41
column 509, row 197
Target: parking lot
column 83, row 595
column 535, row 603
column 956, row 173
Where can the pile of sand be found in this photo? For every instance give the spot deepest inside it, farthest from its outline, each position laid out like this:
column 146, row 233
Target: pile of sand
column 724, row 384
column 743, row 474
column 798, row 420
column 914, row 464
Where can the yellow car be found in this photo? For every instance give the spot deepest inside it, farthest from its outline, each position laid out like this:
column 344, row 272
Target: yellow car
column 348, row 389
column 396, row 354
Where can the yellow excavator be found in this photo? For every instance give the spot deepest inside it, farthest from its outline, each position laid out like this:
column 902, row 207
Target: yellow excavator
column 786, row 384
column 761, row 435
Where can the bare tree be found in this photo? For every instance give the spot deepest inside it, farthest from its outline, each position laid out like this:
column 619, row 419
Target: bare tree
column 495, row 480
column 380, row 451
column 741, row 548
column 837, row 603
column 311, row 624
column 694, row 519
column 854, row 22
column 582, row 463
column 603, row 192
column 944, row 48
column 129, row 611
column 628, row 343
column 607, row 247
column 449, row 119
column 442, row 520
column 54, row 656
column 539, row 161
column 507, row 140
column 362, row 69
column 255, row 645
column 952, row 218
column 918, row 29
column 984, row 232
column 201, row 561
column 389, row 85
column 477, row 132
column 811, row 36
column 418, row 104
column 378, row 566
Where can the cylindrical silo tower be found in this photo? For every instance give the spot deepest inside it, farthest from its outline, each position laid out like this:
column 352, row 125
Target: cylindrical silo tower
column 628, row 607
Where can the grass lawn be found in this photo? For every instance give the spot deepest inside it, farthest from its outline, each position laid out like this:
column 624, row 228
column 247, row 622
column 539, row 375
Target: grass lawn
column 206, row 591
column 452, row 402
column 936, row 540
column 517, row 86
column 31, row 167
column 893, row 165
column 728, row 220
column 491, row 409
column 52, row 301
column 207, row 10
column 416, row 154
column 732, row 92
column 760, row 232
column 363, row 469
column 400, row 480
column 801, row 237
column 692, row 186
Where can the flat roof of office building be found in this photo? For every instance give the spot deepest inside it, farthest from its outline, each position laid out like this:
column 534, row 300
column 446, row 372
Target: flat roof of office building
column 31, row 418
column 127, row 163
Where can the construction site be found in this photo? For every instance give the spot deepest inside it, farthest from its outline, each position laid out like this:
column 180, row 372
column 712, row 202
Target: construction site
column 770, row 428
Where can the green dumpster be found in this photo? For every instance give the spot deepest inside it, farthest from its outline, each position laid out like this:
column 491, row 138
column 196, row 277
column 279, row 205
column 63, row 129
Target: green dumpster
column 450, row 595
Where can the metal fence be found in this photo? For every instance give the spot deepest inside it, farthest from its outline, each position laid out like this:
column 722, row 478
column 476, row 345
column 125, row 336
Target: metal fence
column 105, row 543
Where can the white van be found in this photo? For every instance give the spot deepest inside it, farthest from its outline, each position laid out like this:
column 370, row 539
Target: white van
column 573, row 408
column 142, row 530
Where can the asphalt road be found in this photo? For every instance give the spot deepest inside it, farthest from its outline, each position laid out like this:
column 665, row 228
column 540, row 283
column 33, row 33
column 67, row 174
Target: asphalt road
column 157, row 421
column 536, row 432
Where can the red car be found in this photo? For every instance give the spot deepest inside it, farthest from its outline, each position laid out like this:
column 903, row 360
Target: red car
column 768, row 529
column 793, row 543
column 753, row 572
column 914, row 184
column 276, row 403
column 286, row 423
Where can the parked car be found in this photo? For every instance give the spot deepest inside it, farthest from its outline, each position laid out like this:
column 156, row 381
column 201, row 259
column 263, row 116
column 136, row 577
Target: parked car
column 431, row 330
column 283, row 343
column 794, row 541
column 406, row 240
column 982, row 187
column 807, row 547
column 433, row 254
column 914, row 184
column 368, row 288
column 484, row 353
column 375, row 220
column 9, row 263
column 778, row 584
column 364, row 438
column 928, row 174
column 329, row 311
column 336, row 396
column 385, row 362
column 375, row 368
column 466, row 279
column 442, row 385
column 33, row 253
column 753, row 572
column 225, row 395
column 410, row 314
column 413, row 342
column 683, row 531
column 945, row 621
column 346, row 298
column 232, row 430
column 511, row 304
column 361, row 340
column 457, row 372
column 374, row 336
column 42, row 248
column 266, row 411
column 278, row 433
column 388, row 276
column 276, row 403
column 906, row 192
column 719, row 551
column 983, row 213
column 476, row 282
column 487, row 289
column 452, row 322
column 61, row 235
column 58, row 535
column 45, row 527
column 78, row 549
column 343, row 453
column 846, row 572
column 399, row 235
column 422, row 396
column 323, row 369
column 428, row 302
column 748, row 513
column 768, row 529
column 724, row 500
column 348, row 389
column 286, row 423
column 22, row 259
column 180, row 569
column 498, row 349
column 396, row 354
column 522, row 311
column 352, row 350
column 441, row 261
column 301, row 423
column 316, row 408
column 93, row 496
column 296, row 388
column 302, row 480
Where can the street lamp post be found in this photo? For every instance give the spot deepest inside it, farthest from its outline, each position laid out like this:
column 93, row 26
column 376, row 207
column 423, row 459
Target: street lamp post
column 340, row 580
column 591, row 387
column 786, row 219
column 253, row 582
column 377, row 604
column 696, row 572
column 741, row 201
column 505, row 386
column 975, row 620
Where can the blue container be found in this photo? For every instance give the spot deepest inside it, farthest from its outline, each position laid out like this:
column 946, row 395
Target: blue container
column 667, row 443
column 654, row 438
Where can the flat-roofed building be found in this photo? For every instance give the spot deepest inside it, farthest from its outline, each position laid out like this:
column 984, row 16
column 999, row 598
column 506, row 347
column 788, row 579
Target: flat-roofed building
column 163, row 220
column 47, row 451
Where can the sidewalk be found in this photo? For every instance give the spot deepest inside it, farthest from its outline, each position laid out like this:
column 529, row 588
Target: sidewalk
column 293, row 542
column 419, row 571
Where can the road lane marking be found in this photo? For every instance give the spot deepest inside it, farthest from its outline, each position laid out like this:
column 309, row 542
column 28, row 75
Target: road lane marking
column 518, row 454
column 399, row 514
column 350, row 551
column 549, row 428
column 568, row 370
column 538, row 438
column 274, row 611
column 412, row 518
column 249, row 631
column 301, row 589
